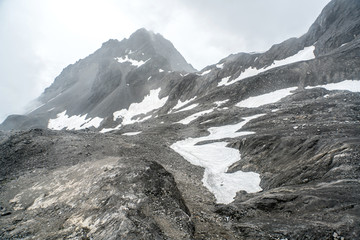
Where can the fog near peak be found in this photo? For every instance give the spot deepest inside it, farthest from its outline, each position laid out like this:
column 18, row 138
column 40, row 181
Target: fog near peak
column 40, row 38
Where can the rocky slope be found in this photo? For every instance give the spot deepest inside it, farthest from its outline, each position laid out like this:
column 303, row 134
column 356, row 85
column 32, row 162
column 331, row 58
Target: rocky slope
column 257, row 146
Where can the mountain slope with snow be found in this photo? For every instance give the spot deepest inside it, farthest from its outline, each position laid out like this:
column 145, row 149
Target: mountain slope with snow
column 135, row 143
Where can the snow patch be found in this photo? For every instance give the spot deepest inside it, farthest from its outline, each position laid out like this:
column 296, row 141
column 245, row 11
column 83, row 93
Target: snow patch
column 221, row 66
column 188, row 107
column 150, row 103
column 272, row 97
column 105, row 130
column 131, row 133
column 182, row 103
column 344, row 44
column 216, row 158
column 133, row 62
column 193, row 117
column 75, row 122
column 224, row 81
column 349, row 85
column 206, row 72
column 160, row 70
column 207, row 121
column 219, row 103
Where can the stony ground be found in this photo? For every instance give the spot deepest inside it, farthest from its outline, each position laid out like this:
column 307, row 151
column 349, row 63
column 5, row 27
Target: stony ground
column 86, row 185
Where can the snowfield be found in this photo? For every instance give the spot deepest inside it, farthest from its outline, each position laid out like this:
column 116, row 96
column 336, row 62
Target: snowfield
column 150, row 103
column 272, row 97
column 216, row 158
column 349, row 85
column 76, row 122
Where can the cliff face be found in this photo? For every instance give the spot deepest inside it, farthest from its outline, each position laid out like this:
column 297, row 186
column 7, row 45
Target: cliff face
column 132, row 142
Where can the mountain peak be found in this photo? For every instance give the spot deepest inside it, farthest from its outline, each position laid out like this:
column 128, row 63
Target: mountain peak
column 142, row 32
column 337, row 24
column 148, row 41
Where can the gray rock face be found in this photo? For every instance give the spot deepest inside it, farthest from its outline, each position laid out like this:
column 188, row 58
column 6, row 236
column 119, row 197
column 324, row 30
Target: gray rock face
column 62, row 184
column 131, row 184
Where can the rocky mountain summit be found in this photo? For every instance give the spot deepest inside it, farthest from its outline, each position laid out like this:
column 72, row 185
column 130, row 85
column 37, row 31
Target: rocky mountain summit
column 132, row 142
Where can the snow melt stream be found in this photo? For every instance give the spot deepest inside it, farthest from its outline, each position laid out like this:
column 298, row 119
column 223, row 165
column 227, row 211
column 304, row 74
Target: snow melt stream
column 216, row 158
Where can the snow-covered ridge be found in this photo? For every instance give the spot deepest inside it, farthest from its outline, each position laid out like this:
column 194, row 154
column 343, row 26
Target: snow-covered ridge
column 133, row 62
column 303, row 55
column 216, row 158
column 75, row 122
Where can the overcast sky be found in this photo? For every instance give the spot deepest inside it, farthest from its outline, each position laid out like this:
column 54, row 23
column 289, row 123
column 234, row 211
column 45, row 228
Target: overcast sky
column 39, row 38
